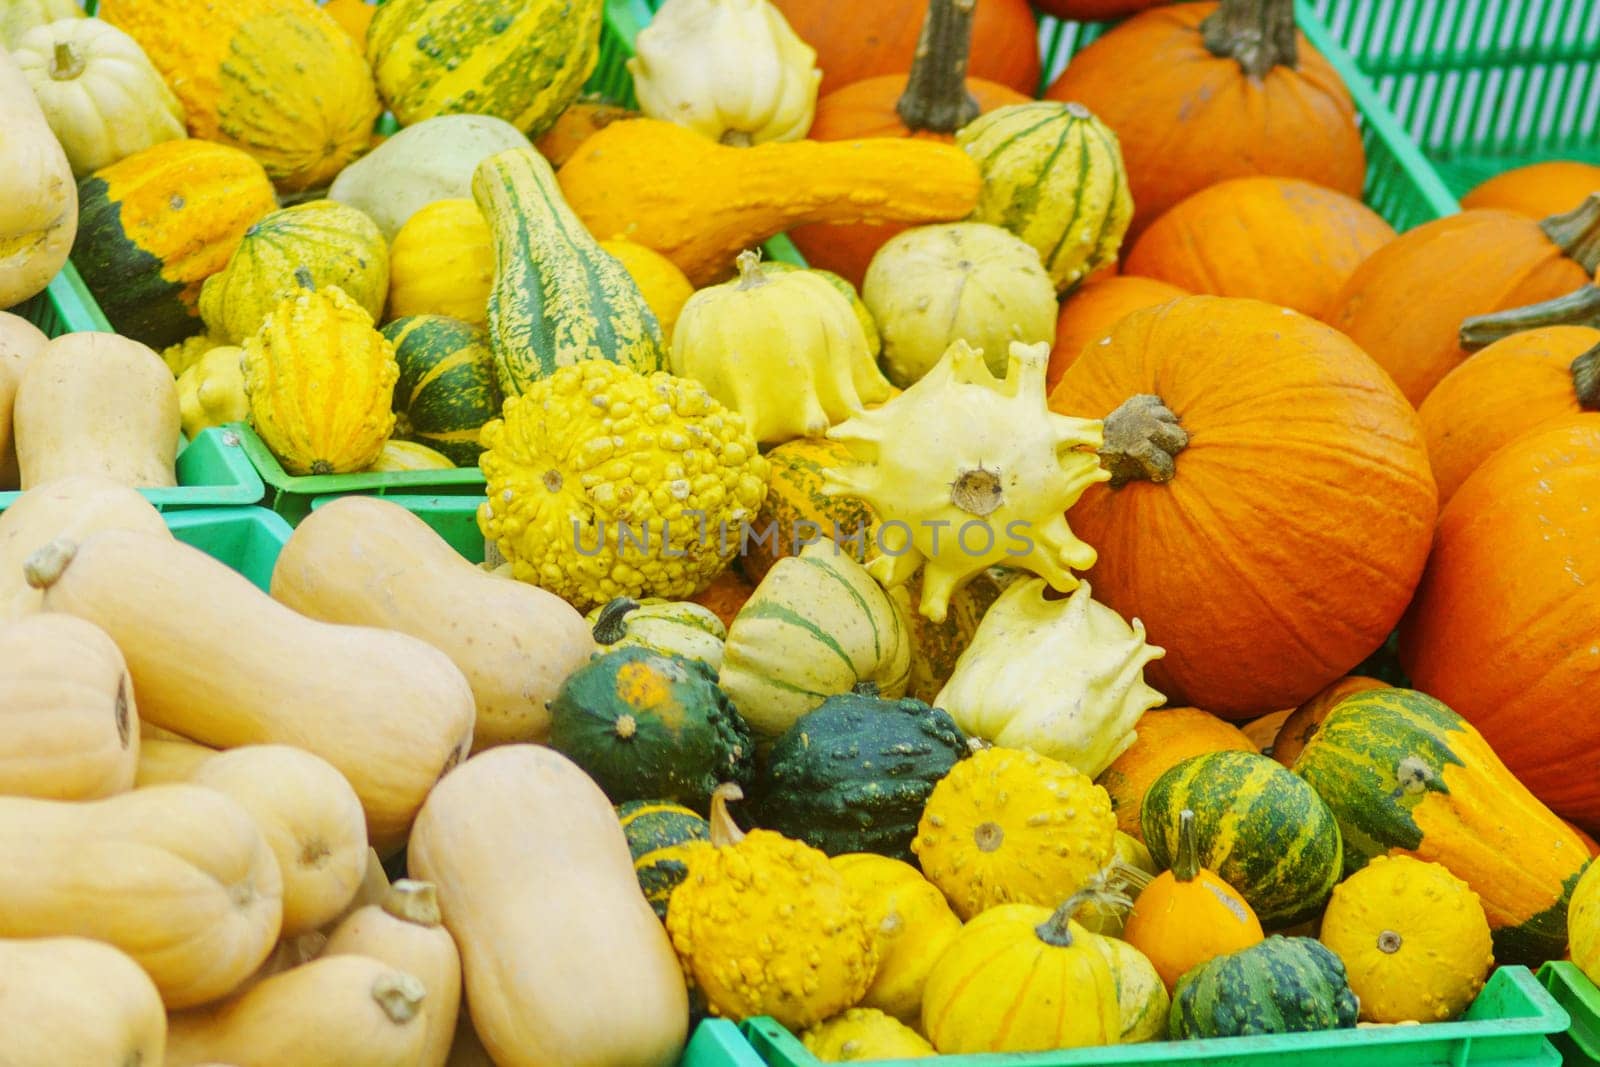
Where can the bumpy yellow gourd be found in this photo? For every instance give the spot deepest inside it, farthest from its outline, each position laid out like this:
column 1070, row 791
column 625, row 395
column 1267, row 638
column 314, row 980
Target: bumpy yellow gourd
column 765, row 926
column 864, row 1034
column 911, row 924
column 967, row 471
column 320, row 381
column 211, row 391
column 1007, row 826
column 785, row 350
column 1064, row 678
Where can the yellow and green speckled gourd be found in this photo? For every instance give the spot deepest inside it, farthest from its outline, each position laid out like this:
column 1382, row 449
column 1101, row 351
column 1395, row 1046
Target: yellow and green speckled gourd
column 278, row 78
column 864, row 1034
column 320, row 381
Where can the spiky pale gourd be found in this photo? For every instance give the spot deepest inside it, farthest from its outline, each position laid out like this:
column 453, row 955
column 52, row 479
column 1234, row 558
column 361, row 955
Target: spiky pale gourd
column 864, row 1034
column 605, row 483
column 765, row 926
column 783, row 349
column 670, row 627
column 966, row 471
column 731, row 70
column 1064, row 678
column 1052, row 175
column 320, row 381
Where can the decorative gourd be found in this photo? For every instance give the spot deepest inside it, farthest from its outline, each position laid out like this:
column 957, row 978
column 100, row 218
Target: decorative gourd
column 211, row 392
column 522, row 65
column 1263, row 731
column 207, row 650
column 1287, row 241
column 1284, row 985
column 162, row 761
column 1221, row 90
column 1142, row 1000
column 644, row 725
column 71, row 724
column 1052, row 175
column 643, row 178
column 324, row 339
column 197, row 890
column 1188, row 915
column 1341, row 517
column 748, row 920
column 273, row 77
column 1405, row 775
column 911, row 924
column 41, row 216
column 937, row 646
column 816, row 626
column 1046, row 984
column 1063, row 677
column 667, row 627
column 316, row 245
column 73, row 1000
column 854, row 774
column 1537, row 190
column 869, row 325
column 96, row 403
column 558, row 299
column 532, row 975
column 1006, row 826
column 966, row 450
column 1581, row 926
column 1263, row 830
column 446, row 390
column 1413, row 939
column 864, row 1034
column 1304, row 722
column 730, row 337
column 102, row 98
column 660, row 837
column 353, row 15
column 1164, row 738
column 186, row 353
column 971, row 282
column 581, row 120
column 1089, row 312
column 442, row 263
column 1405, row 304
column 595, row 503
column 20, row 16
column 798, row 509
column 409, row 456
column 660, row 282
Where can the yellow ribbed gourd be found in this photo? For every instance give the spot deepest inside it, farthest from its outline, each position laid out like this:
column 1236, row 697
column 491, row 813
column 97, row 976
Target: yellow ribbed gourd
column 864, row 1034
column 320, row 381
column 211, row 391
column 911, row 924
column 409, row 456
column 442, row 263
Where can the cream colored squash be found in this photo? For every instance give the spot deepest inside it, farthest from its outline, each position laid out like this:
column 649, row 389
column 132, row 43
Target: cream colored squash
column 373, row 889
column 38, row 198
column 17, row 17
column 162, row 762
column 68, row 1001
column 20, row 341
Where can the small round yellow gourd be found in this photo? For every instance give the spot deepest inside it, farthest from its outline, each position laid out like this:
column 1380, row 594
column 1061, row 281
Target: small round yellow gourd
column 442, row 263
column 1583, row 923
column 911, row 924
column 864, row 1034
column 1413, row 937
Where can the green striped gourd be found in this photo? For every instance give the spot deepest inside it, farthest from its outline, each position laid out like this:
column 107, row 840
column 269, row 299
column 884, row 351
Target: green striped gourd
column 1283, row 985
column 447, row 389
column 1407, row 776
column 670, row 627
column 1260, row 828
column 1052, row 175
column 558, row 298
column 660, row 837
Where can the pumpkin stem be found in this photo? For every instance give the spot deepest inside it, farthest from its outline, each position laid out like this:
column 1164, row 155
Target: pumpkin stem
column 610, row 626
column 724, row 831
column 66, row 62
column 399, row 995
column 414, row 901
column 1142, row 442
column 1259, row 34
column 1586, row 379
column 1581, row 307
column 1056, row 931
column 44, row 567
column 1187, row 862
column 936, row 98
column 1577, row 232
column 750, row 275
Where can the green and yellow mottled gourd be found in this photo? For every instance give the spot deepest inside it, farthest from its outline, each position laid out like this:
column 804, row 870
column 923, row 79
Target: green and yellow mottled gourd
column 660, row 837
column 670, row 627
column 558, row 297
column 797, row 509
column 447, row 390
column 1142, row 998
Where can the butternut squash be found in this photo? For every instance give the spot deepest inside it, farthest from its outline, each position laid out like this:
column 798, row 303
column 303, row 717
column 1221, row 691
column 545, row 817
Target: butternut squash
column 216, row 659
column 20, row 341
column 69, row 729
column 38, row 196
column 163, row 761
column 177, row 876
column 364, row 561
column 96, row 403
column 69, row 1000
column 373, row 889
column 700, row 203
column 565, row 964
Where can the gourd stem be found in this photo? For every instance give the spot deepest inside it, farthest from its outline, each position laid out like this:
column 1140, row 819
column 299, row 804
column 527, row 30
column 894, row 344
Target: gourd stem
column 724, row 831
column 1056, row 931
column 399, row 995
column 750, row 276
column 1581, row 307
column 414, row 901
column 1142, row 442
column 1586, row 379
column 610, row 626
column 865, row 688
column 44, row 567
column 66, row 62
column 936, row 98
column 1258, row 34
column 1577, row 233
column 1187, row 863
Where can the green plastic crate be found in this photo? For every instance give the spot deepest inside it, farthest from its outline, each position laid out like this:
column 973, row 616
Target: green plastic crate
column 246, row 539
column 1580, row 1045
column 65, row 306
column 1482, row 86
column 1509, row 1025
column 212, row 472
column 718, row 1043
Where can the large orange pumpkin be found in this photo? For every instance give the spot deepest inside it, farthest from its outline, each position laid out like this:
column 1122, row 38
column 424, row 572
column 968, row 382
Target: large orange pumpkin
column 1092, row 10
column 1089, row 312
column 1199, row 93
column 1506, row 624
column 1282, row 240
column 1270, row 505
column 1537, row 190
column 1302, row 723
column 1164, row 738
column 1515, row 385
column 1406, row 304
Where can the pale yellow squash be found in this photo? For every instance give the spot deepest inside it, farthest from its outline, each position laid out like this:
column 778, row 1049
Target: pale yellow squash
column 20, row 341
column 163, row 761
column 911, row 923
column 68, row 1000
column 38, row 197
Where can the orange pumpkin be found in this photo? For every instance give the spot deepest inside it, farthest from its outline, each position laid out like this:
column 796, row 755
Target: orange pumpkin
column 1506, row 624
column 725, row 595
column 1588, row 842
column 1511, row 387
column 1282, row 240
column 1092, row 10
column 1537, row 190
column 1270, row 505
column 1199, row 93
column 1164, row 738
column 1263, row 732
column 1089, row 312
column 1406, row 304
column 1302, row 723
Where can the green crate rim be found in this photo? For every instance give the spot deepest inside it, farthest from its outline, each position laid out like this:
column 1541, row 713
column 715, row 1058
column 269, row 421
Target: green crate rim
column 1572, row 989
column 242, row 487
column 312, row 485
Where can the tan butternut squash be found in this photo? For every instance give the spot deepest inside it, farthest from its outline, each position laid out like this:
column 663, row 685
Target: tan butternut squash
column 163, row 761
column 20, row 341
column 364, row 561
column 177, row 876
column 96, row 403
column 564, row 963
column 373, row 889
column 216, row 659
column 38, row 196
column 69, row 729
column 336, row 1011
column 404, row 931
column 69, row 1000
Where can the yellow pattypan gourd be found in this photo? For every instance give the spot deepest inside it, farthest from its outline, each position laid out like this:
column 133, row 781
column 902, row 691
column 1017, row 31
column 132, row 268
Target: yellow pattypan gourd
column 211, row 391
column 864, row 1034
